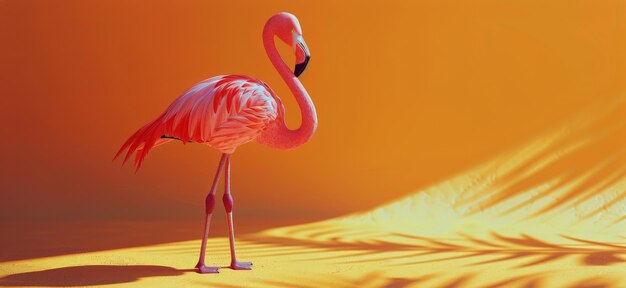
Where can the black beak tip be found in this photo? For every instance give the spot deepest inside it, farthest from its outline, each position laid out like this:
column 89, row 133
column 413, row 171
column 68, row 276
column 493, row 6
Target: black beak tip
column 300, row 67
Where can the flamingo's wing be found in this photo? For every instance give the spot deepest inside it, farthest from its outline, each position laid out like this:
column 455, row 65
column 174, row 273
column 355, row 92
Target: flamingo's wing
column 223, row 111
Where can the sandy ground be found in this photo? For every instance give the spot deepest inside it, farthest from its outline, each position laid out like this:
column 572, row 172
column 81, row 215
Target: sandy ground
column 339, row 253
column 549, row 214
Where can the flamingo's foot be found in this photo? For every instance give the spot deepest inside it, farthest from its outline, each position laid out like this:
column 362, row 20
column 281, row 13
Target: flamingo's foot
column 239, row 265
column 202, row 269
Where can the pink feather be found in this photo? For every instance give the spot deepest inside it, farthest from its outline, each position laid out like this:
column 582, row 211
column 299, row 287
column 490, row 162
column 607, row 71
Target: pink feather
column 223, row 112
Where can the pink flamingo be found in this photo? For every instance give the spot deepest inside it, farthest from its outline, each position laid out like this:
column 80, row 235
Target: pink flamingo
column 227, row 111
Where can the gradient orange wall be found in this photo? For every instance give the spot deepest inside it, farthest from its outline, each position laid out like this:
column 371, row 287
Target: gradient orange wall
column 408, row 93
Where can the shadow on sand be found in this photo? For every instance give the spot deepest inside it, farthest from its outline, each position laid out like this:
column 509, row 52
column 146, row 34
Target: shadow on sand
column 88, row 275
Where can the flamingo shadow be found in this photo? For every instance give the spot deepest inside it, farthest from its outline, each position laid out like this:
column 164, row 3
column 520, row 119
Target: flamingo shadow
column 88, row 275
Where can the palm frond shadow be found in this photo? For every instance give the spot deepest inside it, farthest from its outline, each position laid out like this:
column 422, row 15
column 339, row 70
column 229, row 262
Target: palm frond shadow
column 581, row 164
column 501, row 248
column 394, row 250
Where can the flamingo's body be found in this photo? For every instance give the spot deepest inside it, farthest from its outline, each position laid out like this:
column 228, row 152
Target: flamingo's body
column 227, row 111
column 223, row 112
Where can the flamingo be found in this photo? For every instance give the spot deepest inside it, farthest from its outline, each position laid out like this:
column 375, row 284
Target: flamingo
column 226, row 111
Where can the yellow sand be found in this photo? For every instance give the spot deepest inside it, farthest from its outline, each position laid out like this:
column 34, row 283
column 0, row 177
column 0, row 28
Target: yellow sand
column 347, row 255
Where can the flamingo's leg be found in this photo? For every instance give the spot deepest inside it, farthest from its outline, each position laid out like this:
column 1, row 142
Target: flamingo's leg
column 228, row 205
column 209, row 205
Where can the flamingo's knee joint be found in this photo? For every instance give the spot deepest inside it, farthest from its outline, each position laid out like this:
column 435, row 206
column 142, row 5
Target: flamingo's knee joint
column 210, row 203
column 228, row 202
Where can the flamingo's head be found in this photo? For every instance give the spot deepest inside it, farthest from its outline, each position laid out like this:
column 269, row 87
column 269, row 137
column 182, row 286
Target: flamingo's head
column 287, row 28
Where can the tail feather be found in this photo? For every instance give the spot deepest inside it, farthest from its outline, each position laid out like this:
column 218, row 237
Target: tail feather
column 149, row 141
column 142, row 141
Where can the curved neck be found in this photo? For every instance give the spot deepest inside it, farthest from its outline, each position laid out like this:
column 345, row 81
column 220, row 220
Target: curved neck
column 277, row 134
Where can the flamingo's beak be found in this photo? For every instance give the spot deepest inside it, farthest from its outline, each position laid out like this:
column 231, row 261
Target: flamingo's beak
column 302, row 56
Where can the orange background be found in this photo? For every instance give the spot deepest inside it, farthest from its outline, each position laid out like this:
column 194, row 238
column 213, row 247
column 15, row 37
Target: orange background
column 408, row 93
